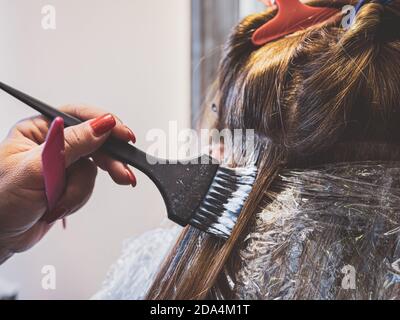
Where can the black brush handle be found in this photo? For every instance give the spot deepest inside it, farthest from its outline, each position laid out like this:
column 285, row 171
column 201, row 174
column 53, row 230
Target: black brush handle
column 118, row 149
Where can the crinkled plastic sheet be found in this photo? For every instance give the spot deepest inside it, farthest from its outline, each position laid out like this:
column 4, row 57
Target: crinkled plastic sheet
column 330, row 233
column 131, row 276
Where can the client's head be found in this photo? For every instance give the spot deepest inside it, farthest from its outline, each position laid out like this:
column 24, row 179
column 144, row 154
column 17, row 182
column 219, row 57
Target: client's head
column 321, row 95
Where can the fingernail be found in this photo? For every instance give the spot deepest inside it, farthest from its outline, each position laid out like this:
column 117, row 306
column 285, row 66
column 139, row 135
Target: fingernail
column 103, row 124
column 131, row 177
column 56, row 215
column 131, row 135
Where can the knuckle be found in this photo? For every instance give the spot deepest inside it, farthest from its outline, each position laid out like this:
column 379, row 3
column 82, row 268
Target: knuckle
column 15, row 129
column 21, row 125
column 69, row 108
column 72, row 139
column 73, row 110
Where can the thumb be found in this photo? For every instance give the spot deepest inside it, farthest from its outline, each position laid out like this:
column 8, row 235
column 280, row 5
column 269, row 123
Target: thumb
column 86, row 138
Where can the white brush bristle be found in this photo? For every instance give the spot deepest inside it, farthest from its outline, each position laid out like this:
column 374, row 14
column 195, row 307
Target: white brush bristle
column 224, row 202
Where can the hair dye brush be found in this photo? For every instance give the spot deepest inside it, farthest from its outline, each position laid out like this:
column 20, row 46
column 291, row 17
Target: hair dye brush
column 205, row 195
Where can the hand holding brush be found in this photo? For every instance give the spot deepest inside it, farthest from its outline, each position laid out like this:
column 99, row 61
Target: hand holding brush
column 24, row 214
column 199, row 193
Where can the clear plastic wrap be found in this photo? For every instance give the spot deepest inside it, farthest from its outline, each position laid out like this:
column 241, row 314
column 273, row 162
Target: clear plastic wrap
column 133, row 273
column 329, row 233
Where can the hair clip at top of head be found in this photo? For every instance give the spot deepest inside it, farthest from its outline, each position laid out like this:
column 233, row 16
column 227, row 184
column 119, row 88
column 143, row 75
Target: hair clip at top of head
column 292, row 16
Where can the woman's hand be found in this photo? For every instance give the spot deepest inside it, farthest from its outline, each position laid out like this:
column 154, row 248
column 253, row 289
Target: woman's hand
column 23, row 203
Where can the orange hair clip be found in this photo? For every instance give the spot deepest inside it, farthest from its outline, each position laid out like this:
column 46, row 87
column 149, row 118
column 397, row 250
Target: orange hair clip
column 292, row 16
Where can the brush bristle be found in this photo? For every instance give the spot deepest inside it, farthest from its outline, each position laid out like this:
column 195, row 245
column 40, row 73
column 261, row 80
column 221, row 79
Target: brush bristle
column 224, row 202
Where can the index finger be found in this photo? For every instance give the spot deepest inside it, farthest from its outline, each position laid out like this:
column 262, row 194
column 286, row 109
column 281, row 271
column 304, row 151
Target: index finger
column 85, row 113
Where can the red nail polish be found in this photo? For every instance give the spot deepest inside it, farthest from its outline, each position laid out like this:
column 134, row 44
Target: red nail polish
column 131, row 135
column 103, row 124
column 131, row 177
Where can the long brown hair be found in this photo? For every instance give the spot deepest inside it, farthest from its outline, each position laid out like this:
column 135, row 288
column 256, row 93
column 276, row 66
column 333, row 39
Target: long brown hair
column 321, row 95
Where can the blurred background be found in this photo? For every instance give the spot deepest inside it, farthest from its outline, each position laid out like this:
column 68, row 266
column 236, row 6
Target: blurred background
column 149, row 62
